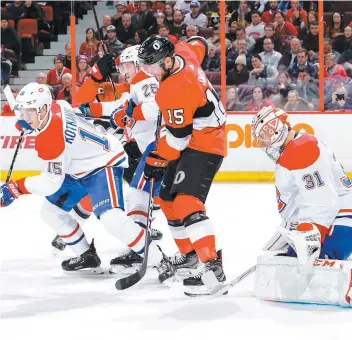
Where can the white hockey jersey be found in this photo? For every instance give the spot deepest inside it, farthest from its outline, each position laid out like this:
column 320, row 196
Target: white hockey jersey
column 255, row 31
column 142, row 125
column 70, row 145
column 311, row 185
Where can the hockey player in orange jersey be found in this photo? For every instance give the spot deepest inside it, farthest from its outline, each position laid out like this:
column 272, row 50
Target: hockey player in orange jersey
column 191, row 148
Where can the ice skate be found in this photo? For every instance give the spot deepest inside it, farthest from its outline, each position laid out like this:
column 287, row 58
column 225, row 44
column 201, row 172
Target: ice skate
column 166, row 270
column 156, row 235
column 88, row 262
column 58, row 245
column 210, row 275
column 185, row 264
column 126, row 263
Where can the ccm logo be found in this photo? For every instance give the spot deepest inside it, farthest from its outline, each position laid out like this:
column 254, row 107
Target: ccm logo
column 159, row 164
column 324, row 263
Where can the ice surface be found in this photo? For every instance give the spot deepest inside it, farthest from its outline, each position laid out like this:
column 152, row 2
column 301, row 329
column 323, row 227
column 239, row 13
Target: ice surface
column 39, row 301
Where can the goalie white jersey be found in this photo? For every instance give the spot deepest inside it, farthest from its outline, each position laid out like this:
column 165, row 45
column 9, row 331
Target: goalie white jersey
column 311, row 185
column 70, row 145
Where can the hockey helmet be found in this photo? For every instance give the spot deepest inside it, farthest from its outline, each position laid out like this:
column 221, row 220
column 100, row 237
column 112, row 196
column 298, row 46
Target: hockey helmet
column 270, row 129
column 32, row 96
column 129, row 55
column 152, row 53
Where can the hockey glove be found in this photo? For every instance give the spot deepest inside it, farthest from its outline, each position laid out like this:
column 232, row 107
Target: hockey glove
column 103, row 68
column 154, row 167
column 8, row 193
column 23, row 125
column 131, row 106
column 118, row 118
column 84, row 111
column 132, row 150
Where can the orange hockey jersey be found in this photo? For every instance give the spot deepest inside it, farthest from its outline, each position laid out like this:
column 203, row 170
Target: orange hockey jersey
column 193, row 114
column 91, row 90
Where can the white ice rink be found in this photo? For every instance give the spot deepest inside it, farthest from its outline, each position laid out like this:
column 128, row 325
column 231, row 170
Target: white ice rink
column 38, row 301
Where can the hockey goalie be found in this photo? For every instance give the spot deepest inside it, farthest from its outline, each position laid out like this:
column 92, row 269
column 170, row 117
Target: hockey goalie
column 309, row 259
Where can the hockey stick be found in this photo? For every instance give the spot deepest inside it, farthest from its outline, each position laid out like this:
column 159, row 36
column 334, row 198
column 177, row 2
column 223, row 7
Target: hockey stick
column 273, row 244
column 11, row 100
column 221, row 289
column 129, row 281
column 9, row 173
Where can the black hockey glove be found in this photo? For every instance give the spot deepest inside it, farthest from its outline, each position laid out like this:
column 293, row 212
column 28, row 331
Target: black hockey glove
column 132, row 150
column 103, row 68
column 154, row 167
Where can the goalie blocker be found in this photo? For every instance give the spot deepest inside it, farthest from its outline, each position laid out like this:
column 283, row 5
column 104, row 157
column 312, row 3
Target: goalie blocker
column 279, row 278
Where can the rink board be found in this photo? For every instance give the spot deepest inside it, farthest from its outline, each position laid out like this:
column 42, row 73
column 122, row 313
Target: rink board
column 243, row 162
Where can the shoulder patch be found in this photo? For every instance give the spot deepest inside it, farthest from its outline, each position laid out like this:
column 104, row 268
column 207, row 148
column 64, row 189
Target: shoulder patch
column 300, row 153
column 51, row 142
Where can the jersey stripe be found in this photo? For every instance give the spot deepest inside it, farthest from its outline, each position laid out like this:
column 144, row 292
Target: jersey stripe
column 112, row 188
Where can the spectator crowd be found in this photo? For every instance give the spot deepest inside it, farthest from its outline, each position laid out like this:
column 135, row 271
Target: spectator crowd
column 272, row 49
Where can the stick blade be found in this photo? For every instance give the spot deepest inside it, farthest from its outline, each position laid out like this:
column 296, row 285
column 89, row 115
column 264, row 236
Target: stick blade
column 129, row 281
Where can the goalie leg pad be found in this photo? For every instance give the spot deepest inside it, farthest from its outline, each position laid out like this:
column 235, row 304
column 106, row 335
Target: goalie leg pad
column 278, row 278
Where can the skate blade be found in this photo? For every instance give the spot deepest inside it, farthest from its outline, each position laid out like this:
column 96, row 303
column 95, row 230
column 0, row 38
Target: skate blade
column 211, row 286
column 186, row 272
column 121, row 270
column 85, row 272
column 198, row 291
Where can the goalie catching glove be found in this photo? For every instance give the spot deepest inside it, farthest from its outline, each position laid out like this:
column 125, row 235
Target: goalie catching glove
column 154, row 167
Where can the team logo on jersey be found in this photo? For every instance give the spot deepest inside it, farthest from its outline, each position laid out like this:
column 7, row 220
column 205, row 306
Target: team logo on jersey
column 281, row 205
column 180, row 176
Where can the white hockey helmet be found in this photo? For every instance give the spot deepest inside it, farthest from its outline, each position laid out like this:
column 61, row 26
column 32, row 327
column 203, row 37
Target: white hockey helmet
column 270, row 129
column 130, row 54
column 33, row 96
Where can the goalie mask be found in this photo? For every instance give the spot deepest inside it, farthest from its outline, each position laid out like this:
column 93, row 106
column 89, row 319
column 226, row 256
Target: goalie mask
column 270, row 129
column 30, row 102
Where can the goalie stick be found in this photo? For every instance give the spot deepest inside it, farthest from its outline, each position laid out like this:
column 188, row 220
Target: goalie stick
column 223, row 288
column 129, row 281
column 276, row 242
